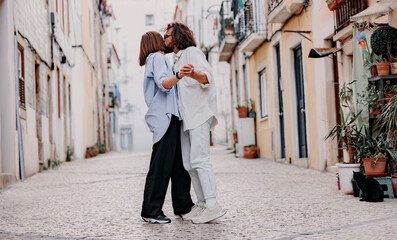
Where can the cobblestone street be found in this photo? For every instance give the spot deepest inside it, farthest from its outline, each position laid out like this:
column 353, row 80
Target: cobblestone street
column 100, row 198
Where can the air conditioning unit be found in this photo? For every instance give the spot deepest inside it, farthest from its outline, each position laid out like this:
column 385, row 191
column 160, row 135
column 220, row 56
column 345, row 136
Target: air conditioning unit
column 245, row 133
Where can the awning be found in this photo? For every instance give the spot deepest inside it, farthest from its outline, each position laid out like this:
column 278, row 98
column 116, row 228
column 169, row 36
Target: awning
column 322, row 52
column 380, row 7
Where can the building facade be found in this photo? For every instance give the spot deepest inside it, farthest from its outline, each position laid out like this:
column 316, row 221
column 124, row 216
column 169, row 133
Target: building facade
column 48, row 111
column 296, row 97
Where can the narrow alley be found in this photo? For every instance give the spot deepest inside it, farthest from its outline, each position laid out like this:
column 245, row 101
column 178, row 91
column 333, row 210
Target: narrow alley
column 100, row 198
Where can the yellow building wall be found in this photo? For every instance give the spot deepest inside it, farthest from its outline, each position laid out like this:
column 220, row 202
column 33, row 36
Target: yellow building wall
column 89, row 75
column 265, row 126
column 288, row 42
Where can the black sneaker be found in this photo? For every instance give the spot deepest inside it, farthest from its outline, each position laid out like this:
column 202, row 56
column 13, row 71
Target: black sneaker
column 161, row 219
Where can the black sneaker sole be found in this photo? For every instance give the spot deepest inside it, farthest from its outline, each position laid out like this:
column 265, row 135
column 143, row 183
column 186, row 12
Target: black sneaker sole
column 152, row 220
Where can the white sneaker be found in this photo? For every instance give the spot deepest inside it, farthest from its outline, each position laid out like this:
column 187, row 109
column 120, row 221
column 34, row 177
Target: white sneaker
column 210, row 214
column 196, row 211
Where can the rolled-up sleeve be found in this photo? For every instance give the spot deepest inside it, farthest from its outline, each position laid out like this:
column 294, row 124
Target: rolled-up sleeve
column 160, row 71
column 197, row 58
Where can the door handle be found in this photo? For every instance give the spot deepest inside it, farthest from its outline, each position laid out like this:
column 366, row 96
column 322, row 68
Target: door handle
column 303, row 110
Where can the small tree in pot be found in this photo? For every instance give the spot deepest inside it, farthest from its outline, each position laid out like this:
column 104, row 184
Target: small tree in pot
column 384, row 43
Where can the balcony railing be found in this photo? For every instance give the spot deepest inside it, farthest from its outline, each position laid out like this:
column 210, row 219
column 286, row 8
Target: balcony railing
column 273, row 4
column 349, row 9
column 250, row 20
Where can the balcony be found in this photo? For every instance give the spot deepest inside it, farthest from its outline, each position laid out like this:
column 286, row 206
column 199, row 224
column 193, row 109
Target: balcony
column 349, row 9
column 251, row 30
column 227, row 40
column 279, row 11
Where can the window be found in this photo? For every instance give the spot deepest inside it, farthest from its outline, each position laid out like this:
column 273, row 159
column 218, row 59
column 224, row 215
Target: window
column 21, row 77
column 149, row 20
column 263, row 91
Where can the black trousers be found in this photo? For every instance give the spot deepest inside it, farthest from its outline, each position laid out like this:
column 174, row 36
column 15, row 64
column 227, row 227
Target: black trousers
column 165, row 164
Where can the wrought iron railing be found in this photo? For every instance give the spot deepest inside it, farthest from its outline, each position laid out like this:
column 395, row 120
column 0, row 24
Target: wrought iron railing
column 250, row 19
column 273, row 4
column 349, row 9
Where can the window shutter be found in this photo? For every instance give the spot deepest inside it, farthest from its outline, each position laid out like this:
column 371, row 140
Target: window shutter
column 22, row 93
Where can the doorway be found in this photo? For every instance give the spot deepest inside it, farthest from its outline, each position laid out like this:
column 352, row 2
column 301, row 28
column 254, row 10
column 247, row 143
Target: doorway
column 280, row 102
column 39, row 131
column 301, row 108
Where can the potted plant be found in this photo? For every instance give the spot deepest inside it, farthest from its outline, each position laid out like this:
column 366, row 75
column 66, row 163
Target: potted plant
column 370, row 98
column 390, row 91
column 374, row 151
column 387, row 121
column 229, row 23
column 251, row 112
column 234, row 133
column 370, row 62
column 384, row 43
column 251, row 151
column 335, row 4
column 242, row 111
column 345, row 132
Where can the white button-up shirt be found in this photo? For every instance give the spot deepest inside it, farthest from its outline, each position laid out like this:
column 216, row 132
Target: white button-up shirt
column 197, row 101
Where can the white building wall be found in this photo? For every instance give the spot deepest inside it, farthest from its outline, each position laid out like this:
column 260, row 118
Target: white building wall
column 131, row 19
column 8, row 147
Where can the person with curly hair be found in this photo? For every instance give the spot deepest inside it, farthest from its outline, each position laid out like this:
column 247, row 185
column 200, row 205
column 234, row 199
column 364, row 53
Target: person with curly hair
column 164, row 120
column 197, row 102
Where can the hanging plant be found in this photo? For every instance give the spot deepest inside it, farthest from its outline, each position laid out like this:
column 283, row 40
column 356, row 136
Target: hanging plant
column 335, row 4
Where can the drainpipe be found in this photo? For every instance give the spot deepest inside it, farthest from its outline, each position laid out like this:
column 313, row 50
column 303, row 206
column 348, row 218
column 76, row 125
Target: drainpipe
column 52, row 40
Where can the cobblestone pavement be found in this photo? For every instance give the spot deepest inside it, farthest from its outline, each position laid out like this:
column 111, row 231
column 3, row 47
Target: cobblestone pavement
column 100, row 198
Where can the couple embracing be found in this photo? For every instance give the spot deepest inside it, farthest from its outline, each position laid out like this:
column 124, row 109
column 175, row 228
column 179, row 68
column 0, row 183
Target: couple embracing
column 181, row 104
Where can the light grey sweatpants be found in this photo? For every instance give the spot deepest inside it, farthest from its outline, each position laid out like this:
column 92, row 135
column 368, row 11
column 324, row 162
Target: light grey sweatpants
column 196, row 160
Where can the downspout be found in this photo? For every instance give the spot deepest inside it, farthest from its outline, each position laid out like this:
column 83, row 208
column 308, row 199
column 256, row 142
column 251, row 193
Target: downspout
column 52, row 40
column 20, row 139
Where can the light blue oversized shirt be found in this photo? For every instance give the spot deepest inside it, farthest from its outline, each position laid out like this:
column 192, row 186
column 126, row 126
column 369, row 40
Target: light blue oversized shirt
column 162, row 102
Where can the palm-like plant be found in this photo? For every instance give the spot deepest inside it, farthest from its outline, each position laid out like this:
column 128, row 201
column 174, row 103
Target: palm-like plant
column 346, row 130
column 387, row 121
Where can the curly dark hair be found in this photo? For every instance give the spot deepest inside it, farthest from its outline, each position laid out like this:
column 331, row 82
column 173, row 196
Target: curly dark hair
column 182, row 36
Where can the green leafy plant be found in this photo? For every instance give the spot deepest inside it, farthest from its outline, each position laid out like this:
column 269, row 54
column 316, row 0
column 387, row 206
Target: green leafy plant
column 69, row 154
column 390, row 88
column 229, row 22
column 370, row 145
column 251, row 145
column 241, row 107
column 371, row 60
column 345, row 132
column 369, row 97
column 387, row 121
column 384, row 42
column 101, row 147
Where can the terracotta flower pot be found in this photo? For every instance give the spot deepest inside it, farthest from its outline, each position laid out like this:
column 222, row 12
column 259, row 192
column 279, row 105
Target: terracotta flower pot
column 87, row 155
column 389, row 96
column 251, row 152
column 393, row 68
column 374, row 111
column 375, row 171
column 383, row 68
column 373, row 71
column 335, row 4
column 235, row 138
column 243, row 112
